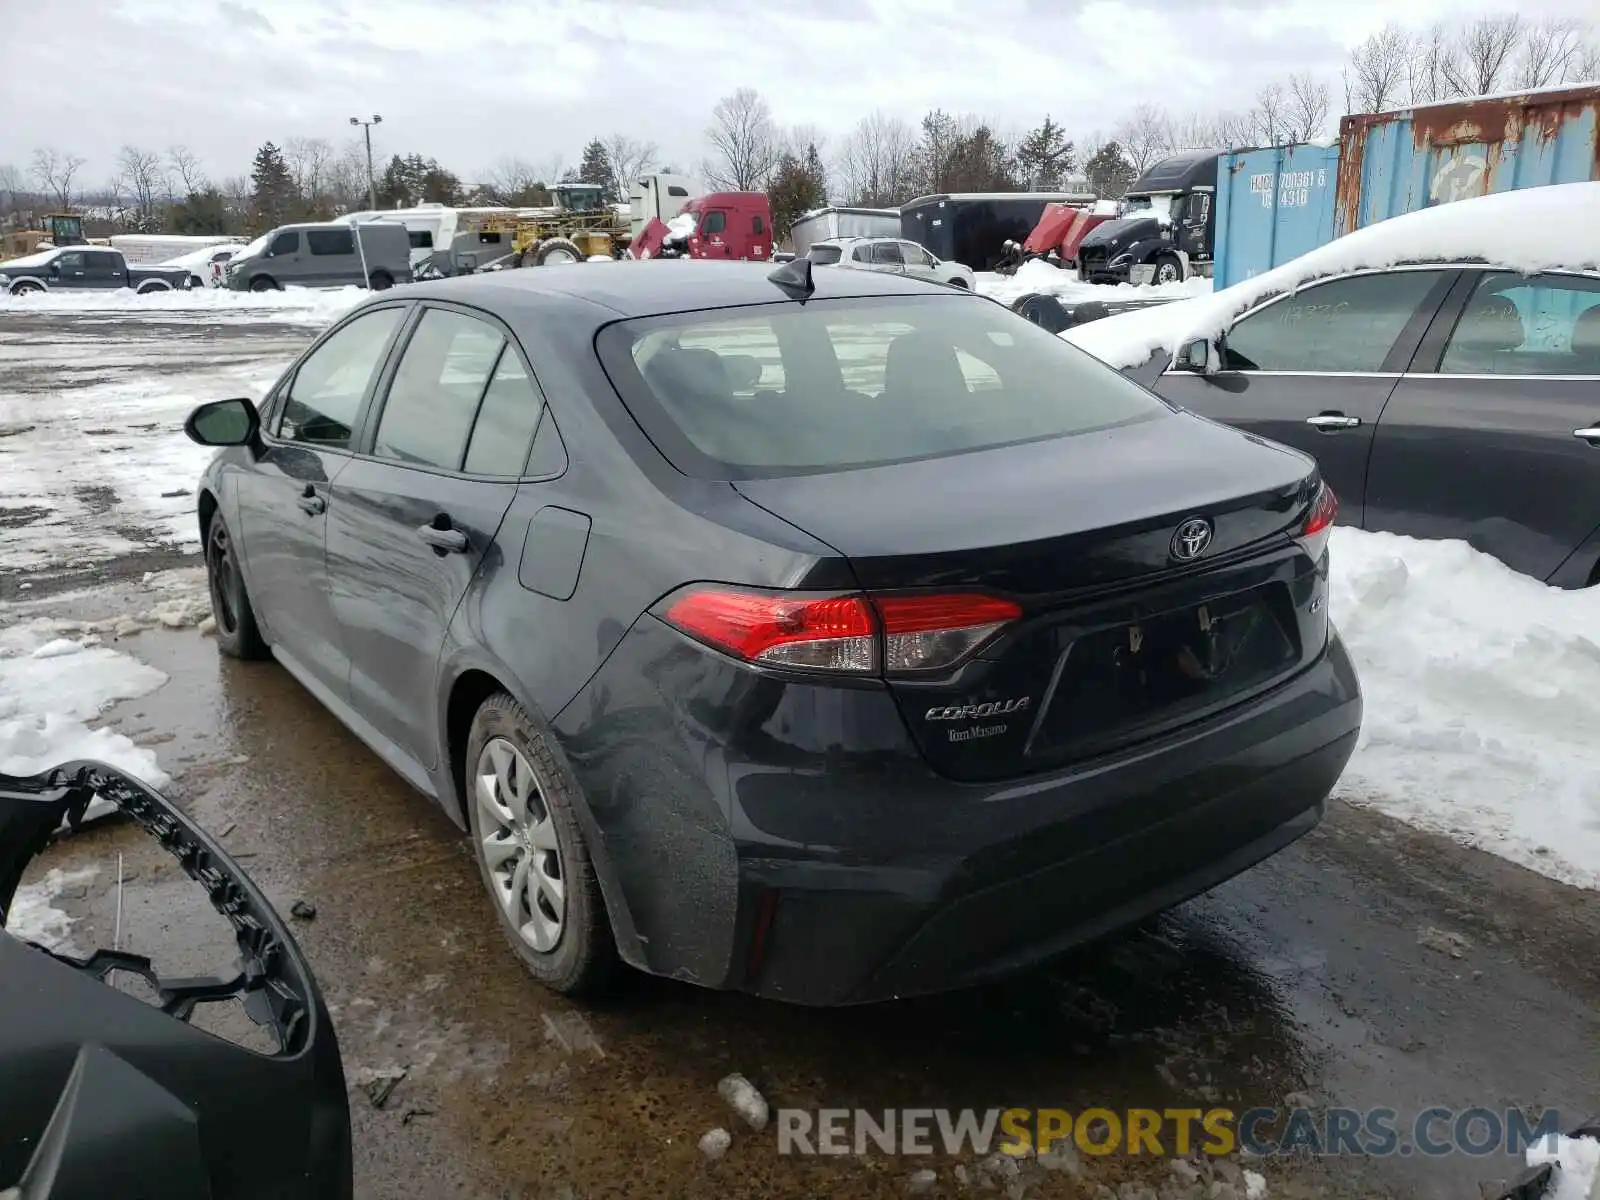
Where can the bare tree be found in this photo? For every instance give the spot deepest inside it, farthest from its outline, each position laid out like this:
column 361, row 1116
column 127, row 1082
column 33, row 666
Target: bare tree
column 1485, row 54
column 508, row 177
column 55, row 171
column 550, row 169
column 1306, row 108
column 1197, row 131
column 344, row 178
column 1378, row 69
column 1548, row 50
column 745, row 144
column 877, row 163
column 1430, row 66
column 185, row 167
column 1145, row 136
column 237, row 193
column 142, row 178
column 308, row 160
column 629, row 158
column 13, row 188
column 1585, row 64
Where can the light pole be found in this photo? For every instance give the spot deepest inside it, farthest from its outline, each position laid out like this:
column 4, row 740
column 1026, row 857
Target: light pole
column 372, row 183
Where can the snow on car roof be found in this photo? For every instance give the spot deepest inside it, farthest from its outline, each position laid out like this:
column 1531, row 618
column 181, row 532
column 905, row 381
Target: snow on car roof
column 1528, row 231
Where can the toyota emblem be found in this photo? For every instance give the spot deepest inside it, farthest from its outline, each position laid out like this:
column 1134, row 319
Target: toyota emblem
column 1191, row 540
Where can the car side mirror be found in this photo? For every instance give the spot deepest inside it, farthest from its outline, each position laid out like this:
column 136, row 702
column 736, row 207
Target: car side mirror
column 224, row 423
column 1195, row 356
column 55, row 270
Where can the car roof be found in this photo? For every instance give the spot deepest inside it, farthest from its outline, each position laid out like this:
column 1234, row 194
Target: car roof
column 647, row 287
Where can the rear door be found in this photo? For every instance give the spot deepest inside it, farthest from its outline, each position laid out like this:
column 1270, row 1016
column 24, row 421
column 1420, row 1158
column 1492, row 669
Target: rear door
column 1313, row 370
column 1493, row 435
column 105, row 269
column 416, row 511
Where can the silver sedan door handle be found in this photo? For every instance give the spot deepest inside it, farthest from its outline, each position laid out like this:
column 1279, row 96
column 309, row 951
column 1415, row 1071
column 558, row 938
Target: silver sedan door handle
column 1589, row 433
column 1332, row 421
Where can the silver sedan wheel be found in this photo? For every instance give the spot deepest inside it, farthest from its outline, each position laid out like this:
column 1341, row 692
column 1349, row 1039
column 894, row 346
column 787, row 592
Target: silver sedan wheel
column 520, row 847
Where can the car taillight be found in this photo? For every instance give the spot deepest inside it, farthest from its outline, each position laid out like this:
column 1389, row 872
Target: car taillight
column 1318, row 527
column 849, row 633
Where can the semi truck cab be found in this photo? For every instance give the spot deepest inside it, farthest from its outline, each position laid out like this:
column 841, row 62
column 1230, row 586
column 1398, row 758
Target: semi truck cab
column 1165, row 230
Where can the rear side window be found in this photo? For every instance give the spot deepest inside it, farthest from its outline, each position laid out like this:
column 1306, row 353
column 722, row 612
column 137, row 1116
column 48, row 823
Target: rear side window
column 436, row 388
column 1343, row 325
column 823, row 255
column 757, row 225
column 330, row 241
column 286, row 243
column 506, row 421
column 789, row 389
column 327, row 390
column 1513, row 325
column 887, row 253
column 674, row 189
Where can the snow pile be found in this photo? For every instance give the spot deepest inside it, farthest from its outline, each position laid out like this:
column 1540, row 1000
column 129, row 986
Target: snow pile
column 1035, row 275
column 1482, row 697
column 1531, row 230
column 51, row 687
column 294, row 305
column 33, row 916
column 1577, row 1163
column 681, row 226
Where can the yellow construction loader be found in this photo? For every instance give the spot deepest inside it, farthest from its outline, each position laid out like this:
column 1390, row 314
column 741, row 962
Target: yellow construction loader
column 580, row 225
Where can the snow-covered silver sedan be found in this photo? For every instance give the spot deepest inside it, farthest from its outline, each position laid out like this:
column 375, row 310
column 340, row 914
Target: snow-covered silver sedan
column 895, row 256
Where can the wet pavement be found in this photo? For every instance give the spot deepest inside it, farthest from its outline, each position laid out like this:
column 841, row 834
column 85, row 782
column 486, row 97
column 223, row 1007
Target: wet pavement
column 1328, row 975
column 1368, row 965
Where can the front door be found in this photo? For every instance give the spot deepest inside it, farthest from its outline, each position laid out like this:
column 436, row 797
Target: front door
column 70, row 270
column 1193, row 221
column 1313, row 370
column 284, row 501
column 414, row 515
column 714, row 234
column 1497, row 441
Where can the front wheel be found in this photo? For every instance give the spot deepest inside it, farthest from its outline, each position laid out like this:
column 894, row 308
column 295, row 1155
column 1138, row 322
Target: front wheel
column 26, row 288
column 238, row 636
column 957, row 282
column 1168, row 269
column 531, row 852
column 263, row 283
column 558, row 252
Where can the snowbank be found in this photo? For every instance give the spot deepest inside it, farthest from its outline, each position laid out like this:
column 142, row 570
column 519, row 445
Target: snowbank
column 308, row 306
column 1038, row 276
column 1577, row 1160
column 1482, row 696
column 1531, row 230
column 33, row 916
column 51, row 687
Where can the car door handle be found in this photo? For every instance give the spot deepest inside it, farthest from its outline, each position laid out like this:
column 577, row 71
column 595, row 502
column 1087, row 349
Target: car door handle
column 312, row 503
column 452, row 541
column 1328, row 421
column 1589, row 433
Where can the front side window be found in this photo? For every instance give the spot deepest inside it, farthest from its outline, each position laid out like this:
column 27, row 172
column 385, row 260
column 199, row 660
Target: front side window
column 436, row 388
column 330, row 241
column 1514, row 325
column 327, row 390
column 286, row 243
column 1346, row 324
column 715, row 222
column 72, row 260
column 835, row 384
column 915, row 255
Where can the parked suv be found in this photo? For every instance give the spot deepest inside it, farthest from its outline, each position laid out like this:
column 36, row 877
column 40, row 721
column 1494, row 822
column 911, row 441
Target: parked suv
column 371, row 254
column 896, row 256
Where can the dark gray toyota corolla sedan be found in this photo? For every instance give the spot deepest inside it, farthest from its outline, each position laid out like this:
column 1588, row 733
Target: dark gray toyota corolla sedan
column 832, row 638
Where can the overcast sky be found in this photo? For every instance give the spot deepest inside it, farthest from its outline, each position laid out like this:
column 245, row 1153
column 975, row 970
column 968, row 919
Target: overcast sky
column 473, row 81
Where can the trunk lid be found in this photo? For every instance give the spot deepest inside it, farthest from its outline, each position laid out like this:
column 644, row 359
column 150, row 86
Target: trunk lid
column 1079, row 532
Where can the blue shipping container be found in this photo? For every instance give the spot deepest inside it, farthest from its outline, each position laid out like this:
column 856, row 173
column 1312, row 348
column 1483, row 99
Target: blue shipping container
column 1275, row 204
column 1272, row 205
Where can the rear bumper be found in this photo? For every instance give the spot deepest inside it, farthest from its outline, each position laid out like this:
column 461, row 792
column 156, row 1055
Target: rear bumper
column 787, row 839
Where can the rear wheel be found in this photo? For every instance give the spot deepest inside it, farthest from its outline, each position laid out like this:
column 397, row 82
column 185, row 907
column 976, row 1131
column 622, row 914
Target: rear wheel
column 153, row 285
column 264, row 283
column 1168, row 269
column 558, row 252
column 531, row 852
column 381, row 281
column 26, row 288
column 1043, row 310
column 238, row 636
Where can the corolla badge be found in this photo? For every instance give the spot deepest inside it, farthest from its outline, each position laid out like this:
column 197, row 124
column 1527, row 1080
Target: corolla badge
column 967, row 712
column 1191, row 539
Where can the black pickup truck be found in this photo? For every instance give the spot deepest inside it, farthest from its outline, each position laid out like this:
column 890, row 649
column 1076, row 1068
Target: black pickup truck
column 86, row 268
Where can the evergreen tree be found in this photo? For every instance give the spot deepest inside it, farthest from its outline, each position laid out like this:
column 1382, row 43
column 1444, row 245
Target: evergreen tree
column 596, row 167
column 202, row 211
column 798, row 186
column 273, row 195
column 411, row 179
column 1043, row 157
column 1109, row 171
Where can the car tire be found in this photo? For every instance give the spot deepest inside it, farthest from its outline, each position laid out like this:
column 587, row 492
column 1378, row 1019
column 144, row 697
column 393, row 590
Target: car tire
column 510, row 754
column 238, row 635
column 153, row 285
column 562, row 250
column 958, row 283
column 264, row 283
column 1168, row 269
column 196, row 282
column 1043, row 309
column 381, row 281
column 26, row 288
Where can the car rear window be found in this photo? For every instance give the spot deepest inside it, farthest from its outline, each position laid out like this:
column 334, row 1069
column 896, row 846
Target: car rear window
column 788, row 389
column 823, row 255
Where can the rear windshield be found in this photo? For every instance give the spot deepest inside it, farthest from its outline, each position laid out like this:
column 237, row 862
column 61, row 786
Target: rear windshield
column 787, row 389
column 823, row 255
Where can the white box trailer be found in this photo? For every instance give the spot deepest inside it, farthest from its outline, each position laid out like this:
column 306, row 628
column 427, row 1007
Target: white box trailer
column 823, row 223
column 162, row 247
column 660, row 198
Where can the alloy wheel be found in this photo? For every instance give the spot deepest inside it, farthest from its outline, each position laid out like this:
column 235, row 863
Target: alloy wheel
column 224, row 577
column 520, row 846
